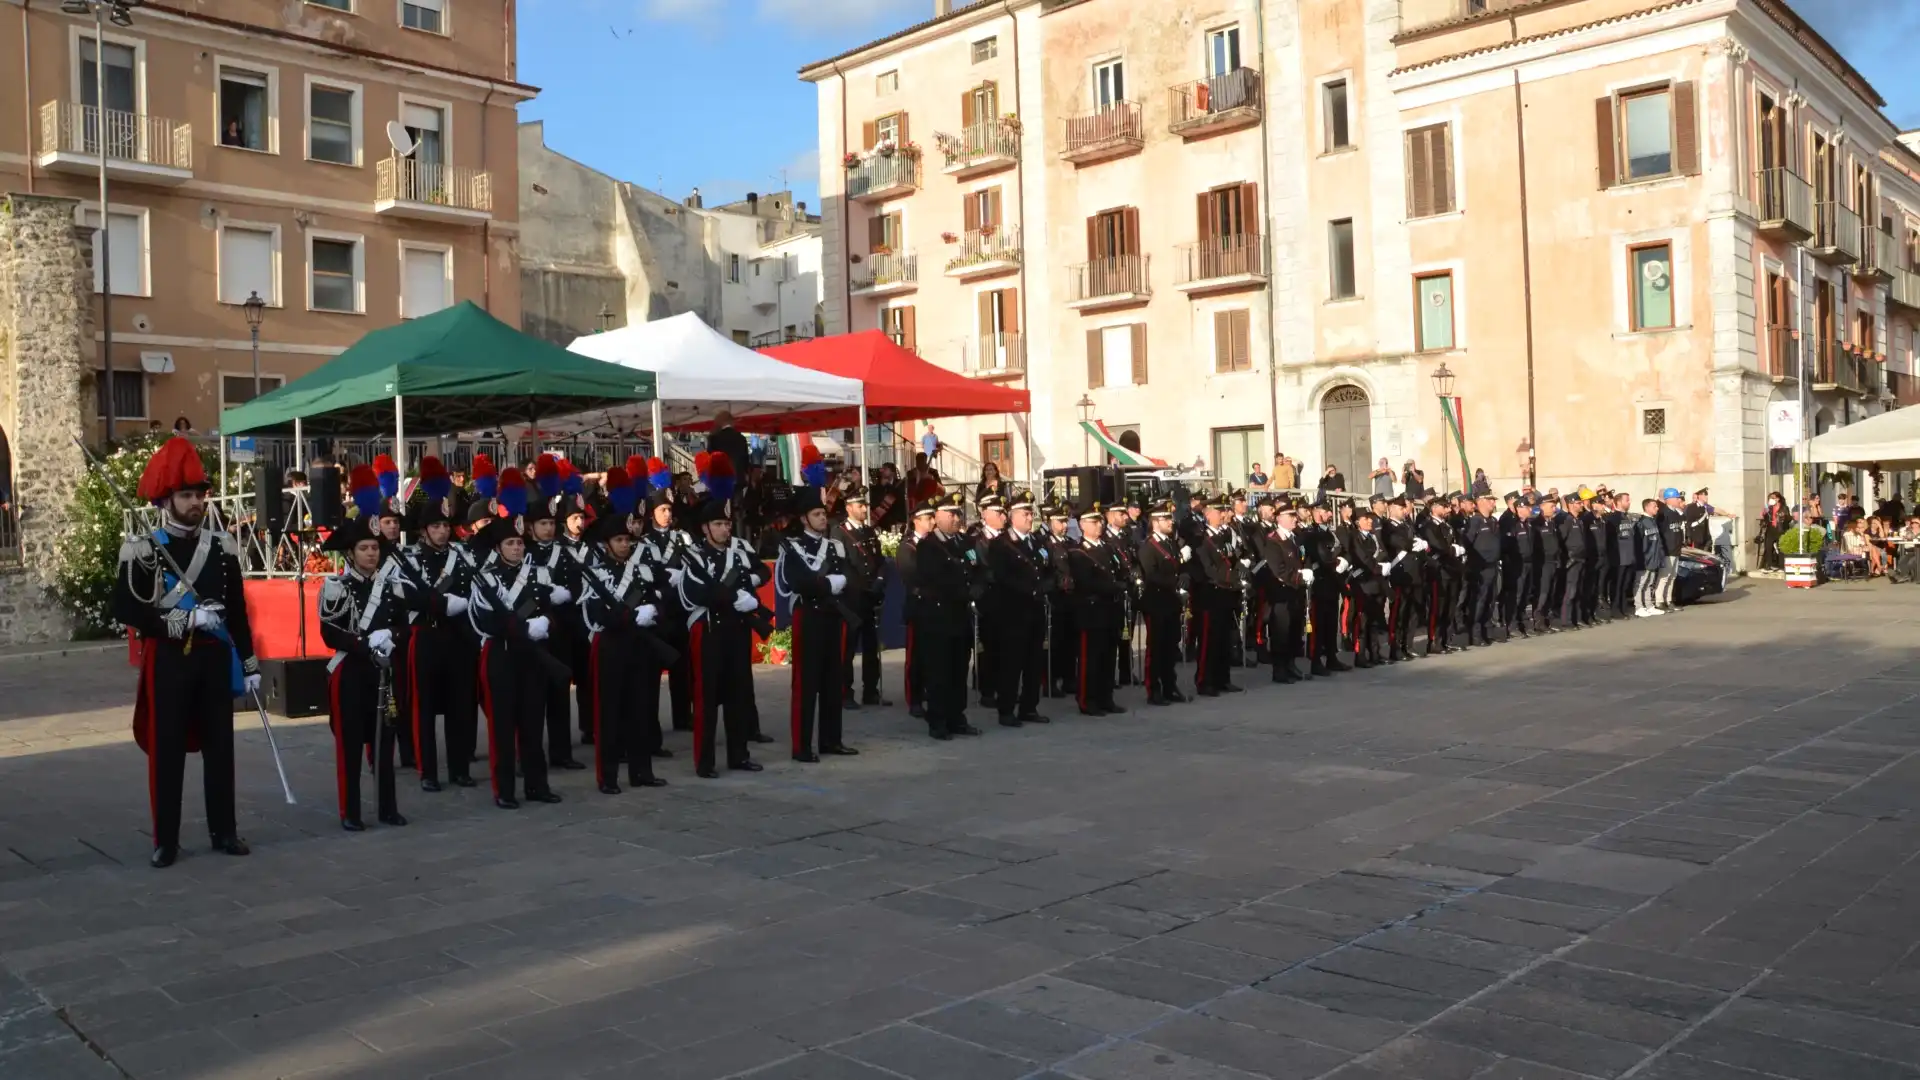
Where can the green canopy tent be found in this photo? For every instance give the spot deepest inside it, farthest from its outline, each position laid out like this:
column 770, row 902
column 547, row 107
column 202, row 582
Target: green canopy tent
column 459, row 369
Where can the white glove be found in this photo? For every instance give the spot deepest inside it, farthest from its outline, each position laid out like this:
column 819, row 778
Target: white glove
column 456, row 605
column 1458, row 551
column 646, row 615
column 537, row 628
column 380, row 641
column 675, row 574
column 205, row 619
column 1419, row 544
column 1185, row 553
column 1340, row 565
column 1386, row 568
column 836, row 582
column 253, row 684
column 745, row 602
column 1306, row 577
column 560, row 595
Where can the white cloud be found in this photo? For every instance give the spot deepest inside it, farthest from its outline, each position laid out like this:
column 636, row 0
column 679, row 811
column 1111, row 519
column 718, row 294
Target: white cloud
column 681, row 10
column 804, row 169
column 841, row 14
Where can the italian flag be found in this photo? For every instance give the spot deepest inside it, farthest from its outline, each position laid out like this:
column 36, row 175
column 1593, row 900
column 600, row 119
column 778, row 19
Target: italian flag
column 1098, row 429
column 1450, row 408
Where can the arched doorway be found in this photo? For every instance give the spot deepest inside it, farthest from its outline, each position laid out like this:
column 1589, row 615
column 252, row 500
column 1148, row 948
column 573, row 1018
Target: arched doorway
column 1346, row 435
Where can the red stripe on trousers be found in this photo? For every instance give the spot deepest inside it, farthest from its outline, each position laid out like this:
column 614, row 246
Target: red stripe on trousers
column 799, row 662
column 696, row 637
column 413, row 695
column 908, row 680
column 339, row 739
column 599, row 736
column 1084, row 661
column 1206, row 639
column 1433, row 614
column 1398, row 599
column 148, row 650
column 486, row 705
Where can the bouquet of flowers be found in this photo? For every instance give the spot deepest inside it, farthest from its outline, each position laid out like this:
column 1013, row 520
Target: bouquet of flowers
column 890, row 543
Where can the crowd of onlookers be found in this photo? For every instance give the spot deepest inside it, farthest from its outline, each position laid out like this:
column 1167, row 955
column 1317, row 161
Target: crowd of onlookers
column 1884, row 543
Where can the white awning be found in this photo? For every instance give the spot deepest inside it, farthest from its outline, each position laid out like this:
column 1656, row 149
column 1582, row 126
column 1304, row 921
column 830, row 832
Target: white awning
column 1890, row 440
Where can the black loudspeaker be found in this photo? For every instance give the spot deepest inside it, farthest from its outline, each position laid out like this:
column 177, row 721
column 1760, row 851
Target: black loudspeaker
column 266, row 498
column 290, row 688
column 323, row 496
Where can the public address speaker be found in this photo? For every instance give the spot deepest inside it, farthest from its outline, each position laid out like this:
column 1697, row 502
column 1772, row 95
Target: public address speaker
column 323, row 496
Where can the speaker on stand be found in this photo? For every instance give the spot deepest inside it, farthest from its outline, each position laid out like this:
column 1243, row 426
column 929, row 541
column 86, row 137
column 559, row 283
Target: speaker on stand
column 323, row 498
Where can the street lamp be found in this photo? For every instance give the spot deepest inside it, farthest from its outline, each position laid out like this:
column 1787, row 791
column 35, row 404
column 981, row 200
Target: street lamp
column 256, row 310
column 606, row 318
column 1443, row 389
column 103, row 12
column 1086, row 407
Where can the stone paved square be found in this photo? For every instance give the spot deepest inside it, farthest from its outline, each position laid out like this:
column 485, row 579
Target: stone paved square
column 1674, row 849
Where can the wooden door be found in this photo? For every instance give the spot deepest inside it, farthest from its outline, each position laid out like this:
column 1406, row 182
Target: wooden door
column 1346, row 424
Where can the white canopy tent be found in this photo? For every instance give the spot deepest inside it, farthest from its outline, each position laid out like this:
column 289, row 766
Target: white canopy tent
column 1890, row 440
column 700, row 372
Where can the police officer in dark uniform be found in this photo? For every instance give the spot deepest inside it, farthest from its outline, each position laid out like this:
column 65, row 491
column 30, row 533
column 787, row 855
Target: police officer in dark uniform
column 1321, row 553
column 547, row 551
column 1126, row 552
column 1021, row 574
column 1406, row 582
column 1555, row 529
column 993, row 522
column 1098, row 606
column 815, row 569
column 442, row 662
column 914, row 673
column 620, row 616
column 1063, row 645
column 1445, row 570
column 944, row 579
column 1483, row 542
column 360, row 611
column 663, row 548
column 1216, row 593
column 1163, row 588
column 1519, row 565
column 717, row 584
column 866, row 594
column 1369, row 572
column 1285, row 578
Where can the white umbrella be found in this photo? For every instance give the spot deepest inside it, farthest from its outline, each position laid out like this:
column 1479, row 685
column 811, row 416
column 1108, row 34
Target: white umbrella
column 1890, row 440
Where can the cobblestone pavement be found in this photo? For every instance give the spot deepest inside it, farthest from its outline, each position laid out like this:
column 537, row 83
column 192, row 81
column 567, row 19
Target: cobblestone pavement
column 1680, row 849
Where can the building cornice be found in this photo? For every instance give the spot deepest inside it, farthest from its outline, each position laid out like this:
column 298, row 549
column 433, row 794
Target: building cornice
column 917, row 34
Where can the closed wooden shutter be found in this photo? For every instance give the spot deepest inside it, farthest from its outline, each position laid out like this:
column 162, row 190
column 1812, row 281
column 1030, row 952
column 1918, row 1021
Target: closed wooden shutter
column 1604, row 150
column 1419, row 171
column 1096, row 359
column 966, row 109
column 1130, row 234
column 876, row 232
column 1250, row 209
column 870, row 134
column 1222, row 335
column 1686, row 130
column 1204, row 213
column 1139, row 354
column 985, row 315
column 907, row 336
column 1010, row 310
column 1093, row 239
column 903, row 127
column 1441, row 167
column 993, row 208
column 970, row 212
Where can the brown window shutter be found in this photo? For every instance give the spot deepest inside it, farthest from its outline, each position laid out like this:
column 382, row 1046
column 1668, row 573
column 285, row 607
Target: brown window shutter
column 904, row 137
column 970, row 212
column 1242, row 345
column 1604, row 149
column 1419, row 190
column 966, row 110
column 1093, row 238
column 1010, row 310
column 993, row 208
column 1442, row 166
column 1250, row 209
column 1686, row 130
column 907, row 337
column 1204, row 217
column 986, row 315
column 1096, row 359
column 1139, row 354
column 870, row 134
column 876, row 232
column 1131, row 217
column 1223, row 341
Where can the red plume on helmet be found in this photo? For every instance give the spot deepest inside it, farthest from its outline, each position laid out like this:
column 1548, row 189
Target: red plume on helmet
column 363, row 486
column 658, row 474
column 513, row 491
column 434, row 480
column 636, row 468
column 485, row 480
column 174, row 467
column 702, row 463
column 720, row 478
column 546, row 475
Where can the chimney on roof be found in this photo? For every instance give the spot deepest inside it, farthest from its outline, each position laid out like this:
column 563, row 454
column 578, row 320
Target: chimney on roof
column 942, row 7
column 693, row 200
column 753, row 202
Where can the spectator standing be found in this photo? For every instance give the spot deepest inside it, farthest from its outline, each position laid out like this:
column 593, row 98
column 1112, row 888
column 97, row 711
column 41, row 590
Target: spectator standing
column 991, row 484
column 1382, row 477
column 1257, row 478
column 1285, row 476
column 1413, row 480
column 723, row 439
column 1773, row 524
column 1331, row 480
column 1481, row 486
column 930, row 445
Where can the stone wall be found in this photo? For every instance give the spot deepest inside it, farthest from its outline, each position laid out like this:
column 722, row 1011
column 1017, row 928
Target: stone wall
column 46, row 327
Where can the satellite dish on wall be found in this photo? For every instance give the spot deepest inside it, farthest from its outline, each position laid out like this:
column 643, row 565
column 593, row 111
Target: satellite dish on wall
column 398, row 137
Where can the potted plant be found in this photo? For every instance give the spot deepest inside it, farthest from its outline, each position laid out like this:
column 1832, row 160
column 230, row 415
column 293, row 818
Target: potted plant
column 1800, row 547
column 851, row 160
column 880, row 249
column 779, row 646
column 986, row 230
column 951, row 238
column 886, row 149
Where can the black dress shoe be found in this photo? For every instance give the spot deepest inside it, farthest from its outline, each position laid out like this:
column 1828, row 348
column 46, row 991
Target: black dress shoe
column 943, row 736
column 1009, row 721
column 1034, row 718
column 429, row 784
column 1232, row 689
column 1176, row 697
column 918, row 712
column 848, row 704
column 645, row 781
column 707, row 774
column 1155, row 699
column 507, row 804
column 662, row 753
column 1336, row 665
column 1095, row 711
column 568, row 763
column 874, row 699
column 395, row 819
column 1321, row 670
column 1206, row 693
column 745, row 766
column 230, row 845
column 1286, row 677
column 609, row 789
column 164, row 856
column 461, row 781
column 544, row 797
column 840, row 751
column 1360, row 664
column 964, row 728
column 807, row 757
column 352, row 825
column 760, row 737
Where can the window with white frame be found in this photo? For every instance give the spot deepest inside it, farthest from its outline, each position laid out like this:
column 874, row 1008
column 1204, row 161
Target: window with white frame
column 1109, row 85
column 249, row 256
column 246, row 106
column 336, row 270
column 238, row 389
column 886, row 82
column 333, row 124
column 1334, row 118
column 337, row 5
column 733, row 269
column 1433, row 321
column 428, row 15
column 126, row 255
column 986, row 49
column 1223, row 51
column 1651, row 269
column 425, row 277
column 426, row 125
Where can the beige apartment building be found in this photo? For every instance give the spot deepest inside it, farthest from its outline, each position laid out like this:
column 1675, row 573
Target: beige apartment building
column 248, row 153
column 1625, row 228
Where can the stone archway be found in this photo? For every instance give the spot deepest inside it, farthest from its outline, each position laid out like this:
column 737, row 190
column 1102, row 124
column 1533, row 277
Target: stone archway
column 1346, row 434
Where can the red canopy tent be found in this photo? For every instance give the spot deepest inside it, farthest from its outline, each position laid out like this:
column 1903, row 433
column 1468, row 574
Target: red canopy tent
column 898, row 386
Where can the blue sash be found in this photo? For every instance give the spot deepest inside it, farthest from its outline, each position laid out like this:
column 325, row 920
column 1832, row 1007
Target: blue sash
column 169, row 580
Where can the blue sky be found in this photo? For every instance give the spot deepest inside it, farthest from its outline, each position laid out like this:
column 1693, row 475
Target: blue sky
column 673, row 94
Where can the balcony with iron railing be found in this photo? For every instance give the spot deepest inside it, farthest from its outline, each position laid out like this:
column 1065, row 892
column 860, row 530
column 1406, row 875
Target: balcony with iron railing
column 1221, row 263
column 994, row 355
column 885, row 273
column 1837, row 366
column 984, row 252
column 801, row 332
column 1209, row 106
column 980, row 148
column 1783, row 203
column 1112, row 132
column 1904, row 289
column 1836, row 234
column 140, row 148
column 431, row 190
column 883, row 174
column 1114, row 281
column 1905, row 388
column 1782, row 353
column 1879, row 255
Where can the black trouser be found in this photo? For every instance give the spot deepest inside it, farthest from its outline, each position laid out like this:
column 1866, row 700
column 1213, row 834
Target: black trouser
column 1323, row 638
column 1123, row 648
column 580, row 662
column 402, row 657
column 1550, row 583
column 1590, row 592
column 440, row 681
column 1023, row 659
column 625, row 714
column 1573, row 599
column 1063, row 650
column 353, row 700
column 1213, row 636
column 1443, row 590
column 1251, row 627
column 987, row 657
column 1516, row 591
column 944, row 662
column 1163, row 648
column 863, row 640
column 188, row 690
column 1096, row 668
column 1369, row 620
column 557, row 696
column 673, row 631
column 722, row 659
column 1483, row 590
column 913, row 672
column 513, row 689
column 1406, row 604
column 1623, row 599
column 1286, row 610
column 819, row 653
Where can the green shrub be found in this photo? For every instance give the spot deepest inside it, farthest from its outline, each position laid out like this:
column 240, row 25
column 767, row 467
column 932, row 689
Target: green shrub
column 1803, row 540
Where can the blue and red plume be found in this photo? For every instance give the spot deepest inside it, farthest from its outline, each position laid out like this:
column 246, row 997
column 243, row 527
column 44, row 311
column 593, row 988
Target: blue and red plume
column 571, row 481
column 513, row 491
column 813, row 469
column 702, row 466
column 621, row 494
column 387, row 474
column 720, row 478
column 363, row 484
column 546, row 474
column 486, row 482
column 658, row 475
column 434, row 480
